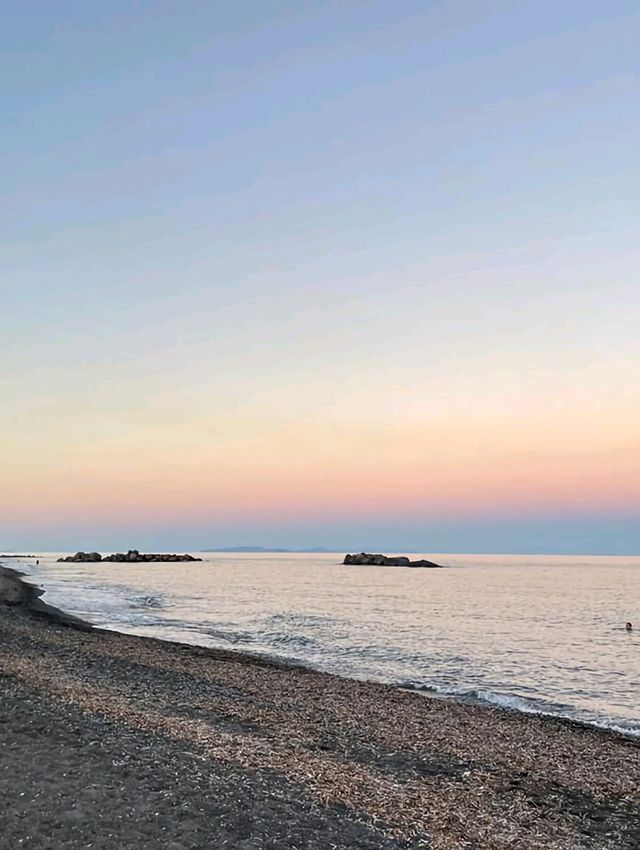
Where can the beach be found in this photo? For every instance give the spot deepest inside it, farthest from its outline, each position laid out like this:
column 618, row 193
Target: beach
column 536, row 634
column 116, row 741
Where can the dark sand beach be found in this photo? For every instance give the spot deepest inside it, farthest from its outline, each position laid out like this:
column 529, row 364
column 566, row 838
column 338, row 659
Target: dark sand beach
column 114, row 742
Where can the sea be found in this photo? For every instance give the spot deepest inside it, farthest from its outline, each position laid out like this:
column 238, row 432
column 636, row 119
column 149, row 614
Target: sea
column 540, row 634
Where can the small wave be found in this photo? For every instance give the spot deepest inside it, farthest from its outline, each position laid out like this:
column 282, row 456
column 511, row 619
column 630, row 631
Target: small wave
column 630, row 731
column 524, row 705
column 146, row 602
column 305, row 620
column 226, row 635
column 291, row 641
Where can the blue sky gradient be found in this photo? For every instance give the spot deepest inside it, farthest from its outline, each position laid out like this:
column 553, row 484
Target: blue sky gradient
column 225, row 222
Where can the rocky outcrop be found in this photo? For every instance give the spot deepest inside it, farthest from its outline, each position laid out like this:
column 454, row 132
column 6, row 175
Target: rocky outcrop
column 366, row 559
column 133, row 556
column 83, row 556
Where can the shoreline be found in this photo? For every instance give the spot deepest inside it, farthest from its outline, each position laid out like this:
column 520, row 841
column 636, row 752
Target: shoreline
column 467, row 698
column 239, row 751
column 36, row 604
column 14, row 590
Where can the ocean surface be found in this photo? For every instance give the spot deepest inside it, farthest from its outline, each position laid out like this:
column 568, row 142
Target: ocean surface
column 532, row 633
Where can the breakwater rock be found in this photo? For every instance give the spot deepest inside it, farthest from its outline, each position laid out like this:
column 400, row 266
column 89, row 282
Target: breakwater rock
column 366, row 559
column 16, row 556
column 131, row 557
column 82, row 557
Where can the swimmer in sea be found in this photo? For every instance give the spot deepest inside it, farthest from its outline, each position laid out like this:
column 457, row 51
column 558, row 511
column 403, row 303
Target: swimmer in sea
column 628, row 627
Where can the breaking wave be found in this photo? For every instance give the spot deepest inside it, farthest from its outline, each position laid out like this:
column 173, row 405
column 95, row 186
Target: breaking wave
column 524, row 705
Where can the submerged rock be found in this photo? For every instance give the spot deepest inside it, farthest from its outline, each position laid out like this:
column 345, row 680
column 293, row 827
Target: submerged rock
column 366, row 559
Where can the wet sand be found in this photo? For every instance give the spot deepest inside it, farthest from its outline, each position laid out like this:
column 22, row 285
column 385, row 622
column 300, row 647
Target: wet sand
column 114, row 742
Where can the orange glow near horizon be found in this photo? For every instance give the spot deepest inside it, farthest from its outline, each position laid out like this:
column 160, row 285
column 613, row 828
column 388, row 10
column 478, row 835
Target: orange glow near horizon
column 425, row 463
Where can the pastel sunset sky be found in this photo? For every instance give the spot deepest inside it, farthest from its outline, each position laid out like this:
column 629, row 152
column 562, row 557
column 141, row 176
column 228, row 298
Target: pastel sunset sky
column 351, row 274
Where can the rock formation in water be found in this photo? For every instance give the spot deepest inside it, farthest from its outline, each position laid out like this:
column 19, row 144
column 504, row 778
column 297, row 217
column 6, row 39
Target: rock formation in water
column 82, row 557
column 366, row 559
column 131, row 557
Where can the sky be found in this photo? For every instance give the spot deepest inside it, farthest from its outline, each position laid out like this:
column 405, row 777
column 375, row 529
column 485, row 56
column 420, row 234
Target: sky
column 351, row 274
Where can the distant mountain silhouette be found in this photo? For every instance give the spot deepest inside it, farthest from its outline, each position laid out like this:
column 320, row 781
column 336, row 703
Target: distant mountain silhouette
column 258, row 549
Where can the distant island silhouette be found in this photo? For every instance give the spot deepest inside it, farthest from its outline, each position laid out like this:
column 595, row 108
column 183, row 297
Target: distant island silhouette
column 258, row 549
column 315, row 550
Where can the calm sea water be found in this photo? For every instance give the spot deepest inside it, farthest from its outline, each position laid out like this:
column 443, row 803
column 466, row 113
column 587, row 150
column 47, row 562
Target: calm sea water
column 532, row 633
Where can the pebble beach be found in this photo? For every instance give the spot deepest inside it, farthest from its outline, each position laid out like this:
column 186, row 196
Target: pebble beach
column 115, row 741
